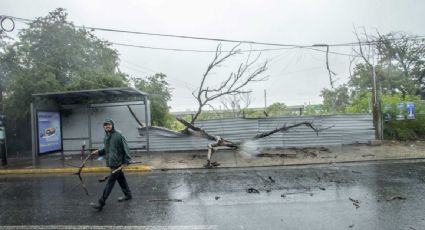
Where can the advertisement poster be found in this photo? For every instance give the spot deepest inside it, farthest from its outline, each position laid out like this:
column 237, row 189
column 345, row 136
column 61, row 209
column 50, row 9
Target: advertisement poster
column 410, row 109
column 400, row 111
column 49, row 132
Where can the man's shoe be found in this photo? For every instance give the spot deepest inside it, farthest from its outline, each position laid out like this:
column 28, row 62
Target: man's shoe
column 98, row 206
column 124, row 198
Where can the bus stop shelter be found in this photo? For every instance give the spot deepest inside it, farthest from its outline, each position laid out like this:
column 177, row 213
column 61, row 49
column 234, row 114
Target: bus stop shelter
column 67, row 122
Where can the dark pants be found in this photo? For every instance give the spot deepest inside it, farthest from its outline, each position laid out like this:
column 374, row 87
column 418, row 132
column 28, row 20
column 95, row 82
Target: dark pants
column 118, row 176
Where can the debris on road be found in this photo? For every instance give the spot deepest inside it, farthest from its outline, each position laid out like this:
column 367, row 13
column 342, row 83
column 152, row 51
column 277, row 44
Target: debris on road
column 282, row 155
column 329, row 157
column 356, row 203
column 324, row 149
column 353, row 200
column 252, row 190
column 211, row 165
column 217, row 197
column 308, row 152
column 318, row 177
column 356, row 172
column 321, row 188
column 395, row 198
column 338, row 181
column 198, row 156
column 300, row 192
column 178, row 186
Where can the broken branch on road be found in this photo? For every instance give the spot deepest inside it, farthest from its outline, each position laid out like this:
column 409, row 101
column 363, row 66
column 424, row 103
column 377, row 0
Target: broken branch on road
column 395, row 198
column 252, row 190
column 80, row 170
column 118, row 169
column 356, row 203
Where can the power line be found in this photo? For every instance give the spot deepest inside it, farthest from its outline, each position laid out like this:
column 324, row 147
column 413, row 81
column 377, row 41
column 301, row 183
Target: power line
column 285, row 46
column 170, row 35
column 194, row 50
column 230, row 40
column 220, row 39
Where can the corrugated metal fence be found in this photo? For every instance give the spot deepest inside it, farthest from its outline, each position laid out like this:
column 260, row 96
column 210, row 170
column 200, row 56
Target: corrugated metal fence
column 343, row 129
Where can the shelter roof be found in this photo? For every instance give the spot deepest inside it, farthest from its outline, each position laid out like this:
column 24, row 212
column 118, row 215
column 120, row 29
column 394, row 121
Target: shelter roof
column 105, row 95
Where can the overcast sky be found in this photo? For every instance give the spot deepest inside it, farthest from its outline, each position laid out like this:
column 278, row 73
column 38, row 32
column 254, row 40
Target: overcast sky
column 296, row 76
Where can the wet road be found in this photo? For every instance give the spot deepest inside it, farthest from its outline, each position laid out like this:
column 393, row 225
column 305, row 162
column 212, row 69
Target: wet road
column 388, row 195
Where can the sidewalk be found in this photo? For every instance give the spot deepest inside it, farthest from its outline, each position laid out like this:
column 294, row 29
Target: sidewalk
column 226, row 158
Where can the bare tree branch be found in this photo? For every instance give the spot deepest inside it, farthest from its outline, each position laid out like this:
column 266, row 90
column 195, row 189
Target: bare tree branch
column 233, row 84
column 195, row 128
column 236, row 103
column 285, row 128
column 80, row 170
column 134, row 116
column 361, row 52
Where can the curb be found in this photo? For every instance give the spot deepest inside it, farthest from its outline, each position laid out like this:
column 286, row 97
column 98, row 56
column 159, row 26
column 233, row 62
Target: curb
column 140, row 168
column 298, row 164
column 147, row 168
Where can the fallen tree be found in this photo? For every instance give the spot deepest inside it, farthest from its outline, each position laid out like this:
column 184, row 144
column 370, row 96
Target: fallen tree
column 221, row 142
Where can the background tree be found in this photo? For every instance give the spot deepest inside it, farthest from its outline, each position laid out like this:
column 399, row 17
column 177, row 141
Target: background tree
column 277, row 109
column 335, row 100
column 398, row 60
column 390, row 79
column 159, row 95
column 53, row 55
column 4, row 38
column 406, row 53
column 400, row 67
column 395, row 129
column 235, row 104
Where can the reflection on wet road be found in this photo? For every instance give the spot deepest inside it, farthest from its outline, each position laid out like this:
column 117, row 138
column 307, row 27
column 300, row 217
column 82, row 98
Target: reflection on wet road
column 386, row 195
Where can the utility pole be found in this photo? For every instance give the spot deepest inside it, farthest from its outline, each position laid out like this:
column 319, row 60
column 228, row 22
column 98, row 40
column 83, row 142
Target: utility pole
column 376, row 112
column 265, row 100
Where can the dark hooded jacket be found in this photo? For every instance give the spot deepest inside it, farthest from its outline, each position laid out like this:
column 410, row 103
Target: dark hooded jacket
column 115, row 150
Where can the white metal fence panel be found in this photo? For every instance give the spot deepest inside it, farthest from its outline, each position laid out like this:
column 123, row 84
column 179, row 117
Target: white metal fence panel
column 342, row 129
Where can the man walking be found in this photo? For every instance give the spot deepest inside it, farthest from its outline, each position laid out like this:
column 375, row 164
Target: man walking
column 117, row 155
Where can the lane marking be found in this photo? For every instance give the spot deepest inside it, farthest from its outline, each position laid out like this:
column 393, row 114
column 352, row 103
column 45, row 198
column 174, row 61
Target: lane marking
column 103, row 227
column 138, row 168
